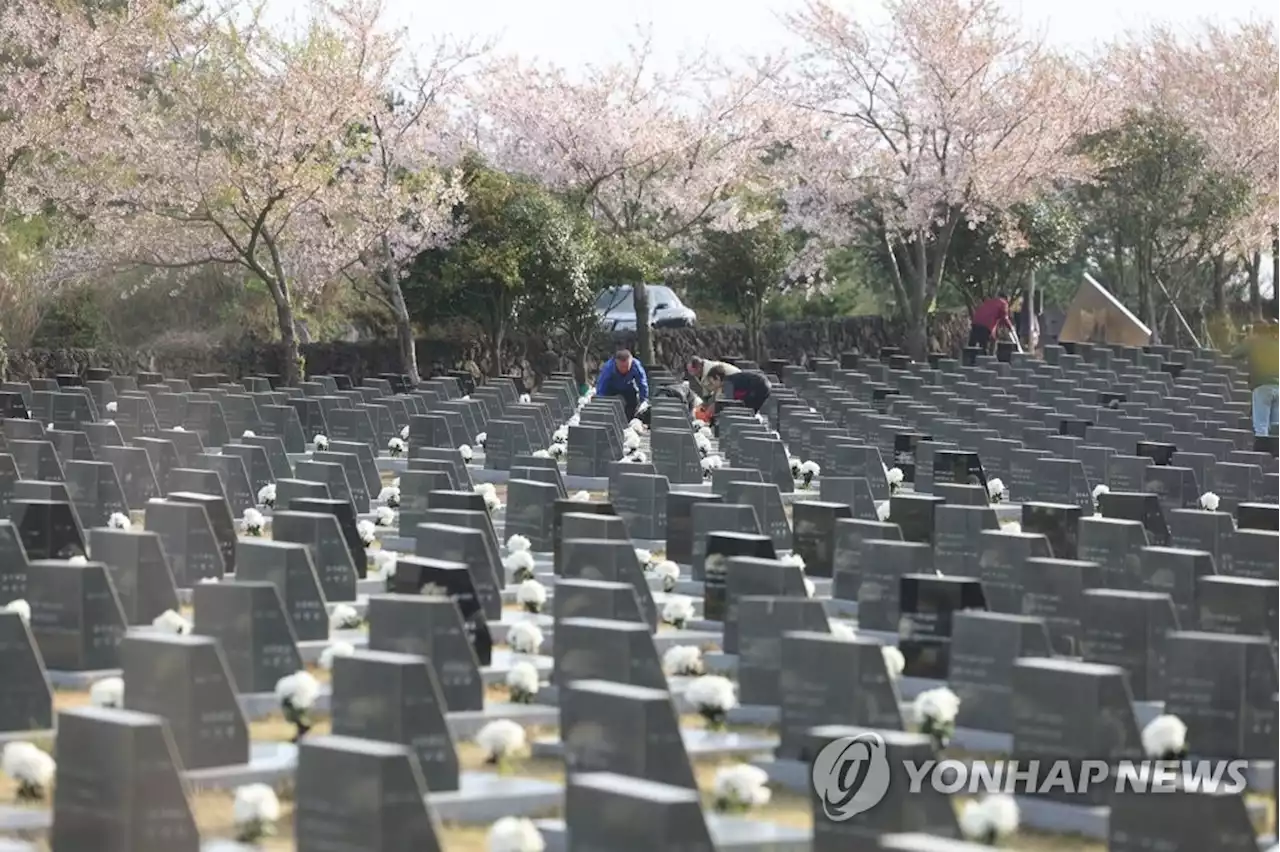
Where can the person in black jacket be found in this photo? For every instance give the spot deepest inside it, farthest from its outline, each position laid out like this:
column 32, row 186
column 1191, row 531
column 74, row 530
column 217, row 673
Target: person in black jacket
column 749, row 387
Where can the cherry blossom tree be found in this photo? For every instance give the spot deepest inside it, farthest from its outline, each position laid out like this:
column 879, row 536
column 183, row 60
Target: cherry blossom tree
column 68, row 71
column 649, row 154
column 947, row 114
column 410, row 144
column 252, row 149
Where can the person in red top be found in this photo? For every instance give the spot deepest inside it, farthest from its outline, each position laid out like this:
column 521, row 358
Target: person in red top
column 988, row 319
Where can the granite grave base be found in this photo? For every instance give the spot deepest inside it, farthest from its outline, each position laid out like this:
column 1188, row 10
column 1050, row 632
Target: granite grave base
column 698, row 743
column 485, row 797
column 268, row 764
column 728, row 833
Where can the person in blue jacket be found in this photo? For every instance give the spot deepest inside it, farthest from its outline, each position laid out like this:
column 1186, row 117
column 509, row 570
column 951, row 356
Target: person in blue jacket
column 622, row 375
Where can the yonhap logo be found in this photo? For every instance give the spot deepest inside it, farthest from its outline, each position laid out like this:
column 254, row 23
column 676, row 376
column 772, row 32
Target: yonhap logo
column 851, row 775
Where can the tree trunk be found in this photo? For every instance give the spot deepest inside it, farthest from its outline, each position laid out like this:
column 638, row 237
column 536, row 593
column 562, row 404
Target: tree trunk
column 1029, row 312
column 1255, row 288
column 293, row 370
column 404, row 334
column 1275, row 269
column 580, row 365
column 644, row 333
column 1219, row 285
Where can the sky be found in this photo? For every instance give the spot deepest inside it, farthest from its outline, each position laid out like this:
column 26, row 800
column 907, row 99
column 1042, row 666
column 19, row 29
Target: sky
column 572, row 33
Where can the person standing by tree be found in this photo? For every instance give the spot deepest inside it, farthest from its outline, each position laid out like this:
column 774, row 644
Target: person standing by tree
column 989, row 317
column 1264, row 376
column 624, row 376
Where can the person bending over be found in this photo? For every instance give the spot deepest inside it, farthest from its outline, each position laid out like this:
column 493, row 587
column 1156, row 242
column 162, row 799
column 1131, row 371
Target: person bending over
column 988, row 319
column 746, row 386
column 624, row 376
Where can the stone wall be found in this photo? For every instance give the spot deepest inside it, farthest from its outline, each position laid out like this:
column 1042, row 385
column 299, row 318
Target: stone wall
column 792, row 341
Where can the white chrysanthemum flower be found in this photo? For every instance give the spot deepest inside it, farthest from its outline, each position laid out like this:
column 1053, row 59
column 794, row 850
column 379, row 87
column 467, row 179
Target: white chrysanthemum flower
column 882, row 511
column 21, row 607
column 108, row 692
column 178, row 429
column 1209, row 501
column 334, row 650
column 630, row 441
column 298, row 690
column 484, row 488
column 31, row 768
column 482, row 438
column 809, row 588
column 643, row 556
column 514, row 834
column 384, row 516
column 501, row 739
column 795, row 559
column 581, row 497
column 119, row 521
column 636, row 426
column 524, row 637
column 467, row 454
column 532, row 595
column 635, row 458
column 668, row 572
column 253, row 522
column 255, row 812
column 344, row 617
column 367, row 532
column 171, row 621
column 712, row 694
column 267, row 495
column 711, row 463
column 113, row 407
column 996, row 492
column 990, row 820
column 404, row 433
column 396, row 447
column 895, row 476
column 677, row 611
column 794, row 463
column 939, row 705
column 740, row 788
column 541, row 454
column 894, row 662
column 521, row 565
column 561, row 435
column 1011, row 527
column 108, row 422
column 525, row 399
column 523, row 682
column 1099, row 490
column 702, row 442
column 558, row 450
column 79, row 559
column 518, row 542
column 208, row 580
column 683, row 661
column 810, row 468
column 843, row 631
column 573, row 421
column 1164, row 737
column 320, row 443
column 492, row 501
column 249, row 433
column 384, row 562
column 390, row 496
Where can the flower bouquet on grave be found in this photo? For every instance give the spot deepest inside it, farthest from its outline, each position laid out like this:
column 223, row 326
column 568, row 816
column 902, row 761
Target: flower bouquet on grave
column 489, row 492
column 466, row 453
column 809, row 471
column 557, row 450
column 713, row 696
column 1165, row 738
column 524, row 637
column 384, row 516
column 794, row 463
column 171, row 621
column 119, row 521
column 522, row 683
column 344, row 617
column 895, row 478
column 669, row 573
column 1098, row 491
column 384, row 561
column 390, row 496
column 989, row 821
column 710, row 464
column 996, row 492
column 108, row 692
column 396, row 447
column 683, row 661
column 521, row 564
column 30, row 768
column 334, row 650
column 404, row 434
column 367, row 532
column 935, row 710
column 1209, row 501
column 21, row 607
column 738, row 789
column 514, row 834
column 677, row 611
column 254, row 523
column 320, row 443
column 502, row 741
column 297, row 694
column 267, row 495
column 531, row 595
column 255, row 813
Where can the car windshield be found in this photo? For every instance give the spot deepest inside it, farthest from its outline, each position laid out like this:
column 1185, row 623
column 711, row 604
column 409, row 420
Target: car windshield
column 618, row 298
